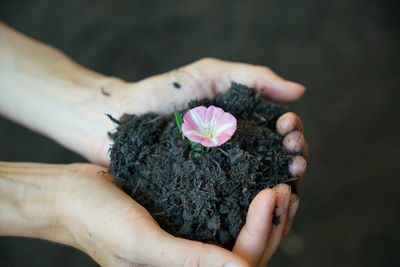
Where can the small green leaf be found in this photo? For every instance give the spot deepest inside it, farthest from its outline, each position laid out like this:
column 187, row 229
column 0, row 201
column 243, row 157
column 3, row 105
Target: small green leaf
column 179, row 122
column 193, row 145
column 197, row 155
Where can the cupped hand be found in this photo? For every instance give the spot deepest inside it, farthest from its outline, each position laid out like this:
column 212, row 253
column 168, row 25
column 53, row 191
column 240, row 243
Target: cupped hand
column 114, row 230
column 167, row 92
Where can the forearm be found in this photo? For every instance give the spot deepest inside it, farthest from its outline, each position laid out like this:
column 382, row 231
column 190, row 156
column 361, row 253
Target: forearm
column 30, row 202
column 43, row 89
column 32, row 73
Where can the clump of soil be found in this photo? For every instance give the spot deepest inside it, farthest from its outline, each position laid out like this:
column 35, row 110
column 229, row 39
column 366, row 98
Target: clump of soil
column 206, row 198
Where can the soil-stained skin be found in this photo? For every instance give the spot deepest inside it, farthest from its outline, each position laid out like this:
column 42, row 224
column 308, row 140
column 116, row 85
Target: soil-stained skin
column 201, row 198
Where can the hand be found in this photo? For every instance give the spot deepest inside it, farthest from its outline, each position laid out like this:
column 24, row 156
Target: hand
column 203, row 78
column 114, row 230
column 79, row 205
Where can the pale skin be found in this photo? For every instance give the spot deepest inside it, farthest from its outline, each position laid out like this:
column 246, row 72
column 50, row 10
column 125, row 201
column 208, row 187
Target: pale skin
column 79, row 204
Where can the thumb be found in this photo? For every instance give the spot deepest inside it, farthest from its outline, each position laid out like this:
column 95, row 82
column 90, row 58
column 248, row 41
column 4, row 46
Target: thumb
column 255, row 234
column 204, row 79
column 168, row 251
column 221, row 73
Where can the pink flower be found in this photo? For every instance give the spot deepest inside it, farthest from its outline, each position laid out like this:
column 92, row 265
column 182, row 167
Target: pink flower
column 210, row 126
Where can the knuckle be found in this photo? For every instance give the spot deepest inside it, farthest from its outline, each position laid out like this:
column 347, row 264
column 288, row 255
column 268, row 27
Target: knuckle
column 251, row 233
column 207, row 60
column 263, row 68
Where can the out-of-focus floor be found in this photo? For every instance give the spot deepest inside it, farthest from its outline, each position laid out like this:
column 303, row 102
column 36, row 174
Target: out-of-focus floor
column 344, row 51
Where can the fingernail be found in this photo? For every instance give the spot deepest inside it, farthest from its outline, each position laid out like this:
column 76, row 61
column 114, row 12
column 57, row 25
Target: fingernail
column 284, row 123
column 293, row 208
column 294, row 84
column 298, row 141
column 298, row 166
column 286, row 201
column 293, row 141
column 293, row 198
column 230, row 264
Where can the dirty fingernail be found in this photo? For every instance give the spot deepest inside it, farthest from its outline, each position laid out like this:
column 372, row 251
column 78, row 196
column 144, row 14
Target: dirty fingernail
column 284, row 124
column 298, row 166
column 294, row 141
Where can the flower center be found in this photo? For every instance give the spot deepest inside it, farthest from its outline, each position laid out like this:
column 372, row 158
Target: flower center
column 208, row 135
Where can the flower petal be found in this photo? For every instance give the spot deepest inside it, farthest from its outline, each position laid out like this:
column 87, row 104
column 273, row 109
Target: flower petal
column 225, row 128
column 193, row 120
column 213, row 114
column 226, row 118
column 223, row 138
column 196, row 138
column 207, row 142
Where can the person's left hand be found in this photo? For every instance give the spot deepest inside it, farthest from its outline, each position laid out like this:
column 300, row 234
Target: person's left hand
column 204, row 78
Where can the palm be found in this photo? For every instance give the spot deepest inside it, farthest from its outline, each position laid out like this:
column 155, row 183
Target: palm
column 111, row 222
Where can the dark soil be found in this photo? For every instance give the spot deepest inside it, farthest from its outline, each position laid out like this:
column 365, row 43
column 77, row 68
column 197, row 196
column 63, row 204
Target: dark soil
column 206, row 198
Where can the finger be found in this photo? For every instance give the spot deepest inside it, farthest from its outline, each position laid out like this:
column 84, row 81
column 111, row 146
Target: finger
column 293, row 207
column 289, row 122
column 294, row 142
column 281, row 215
column 168, row 251
column 222, row 73
column 252, row 240
column 297, row 166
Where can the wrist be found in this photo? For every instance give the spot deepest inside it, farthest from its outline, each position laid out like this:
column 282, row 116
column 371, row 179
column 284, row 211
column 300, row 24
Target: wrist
column 28, row 194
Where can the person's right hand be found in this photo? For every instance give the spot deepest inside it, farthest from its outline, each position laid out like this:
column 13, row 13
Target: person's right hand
column 115, row 230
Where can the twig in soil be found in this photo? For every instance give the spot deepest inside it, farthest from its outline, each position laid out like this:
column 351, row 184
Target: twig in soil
column 290, row 180
column 200, row 184
column 113, row 119
column 150, row 121
column 260, row 117
column 224, row 152
column 163, row 212
column 259, row 93
column 136, row 187
column 223, row 181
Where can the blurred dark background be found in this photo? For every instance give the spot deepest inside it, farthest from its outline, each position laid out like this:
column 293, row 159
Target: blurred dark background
column 344, row 51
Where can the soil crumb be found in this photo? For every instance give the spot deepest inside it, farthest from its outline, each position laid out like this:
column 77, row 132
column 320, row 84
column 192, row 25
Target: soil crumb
column 201, row 198
column 103, row 92
column 276, row 220
column 176, row 85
